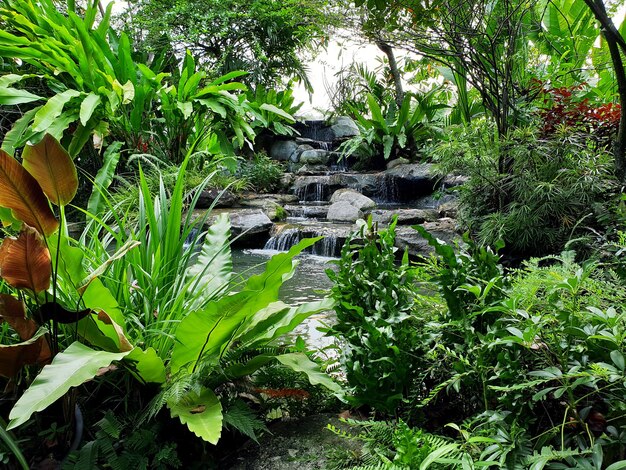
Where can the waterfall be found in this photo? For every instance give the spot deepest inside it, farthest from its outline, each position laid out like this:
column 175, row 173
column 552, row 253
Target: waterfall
column 329, row 246
column 387, row 189
column 312, row 192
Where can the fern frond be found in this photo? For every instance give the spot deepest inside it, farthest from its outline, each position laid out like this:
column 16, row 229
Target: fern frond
column 244, row 420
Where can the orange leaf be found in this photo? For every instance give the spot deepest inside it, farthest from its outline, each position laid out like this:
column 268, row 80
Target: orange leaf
column 13, row 312
column 53, row 168
column 15, row 356
column 25, row 261
column 21, row 193
column 124, row 343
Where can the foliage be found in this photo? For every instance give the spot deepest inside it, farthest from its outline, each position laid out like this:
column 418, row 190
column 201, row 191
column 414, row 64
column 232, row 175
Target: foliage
column 263, row 173
column 393, row 131
column 554, row 188
column 264, row 38
column 273, row 110
column 374, row 305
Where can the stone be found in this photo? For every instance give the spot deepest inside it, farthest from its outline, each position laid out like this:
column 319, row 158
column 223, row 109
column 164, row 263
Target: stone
column 314, row 157
column 405, row 216
column 283, row 149
column 251, row 225
column 312, row 170
column 286, row 180
column 209, row 195
column 344, row 212
column 307, row 211
column 444, row 229
column 449, row 209
column 452, row 181
column 410, row 181
column 295, row 157
column 270, row 207
column 353, row 198
column 398, row 161
column 344, row 127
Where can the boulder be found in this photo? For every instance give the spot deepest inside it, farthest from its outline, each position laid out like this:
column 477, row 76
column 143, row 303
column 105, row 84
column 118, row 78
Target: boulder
column 295, row 157
column 270, row 208
column 405, row 216
column 307, row 211
column 344, row 212
column 408, row 182
column 444, row 229
column 253, row 225
column 344, row 127
column 451, row 181
column 209, row 195
column 353, row 198
column 449, row 208
column 398, row 161
column 311, row 169
column 283, row 149
column 314, row 157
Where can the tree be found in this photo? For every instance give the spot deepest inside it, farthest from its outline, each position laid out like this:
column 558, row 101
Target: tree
column 615, row 42
column 262, row 37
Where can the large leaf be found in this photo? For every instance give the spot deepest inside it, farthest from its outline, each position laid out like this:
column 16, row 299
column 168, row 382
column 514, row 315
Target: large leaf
column 201, row 413
column 18, row 133
column 25, row 261
column 210, row 331
column 53, row 168
column 147, row 365
column 70, row 368
column 15, row 356
column 21, row 193
column 12, row 96
column 50, row 111
column 104, row 177
column 276, row 110
column 301, row 363
column 213, row 269
column 13, row 311
column 88, row 106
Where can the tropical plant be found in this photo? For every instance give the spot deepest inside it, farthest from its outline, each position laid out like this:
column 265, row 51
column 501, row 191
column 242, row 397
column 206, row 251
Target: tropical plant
column 273, row 110
column 395, row 132
column 263, row 173
column 374, row 306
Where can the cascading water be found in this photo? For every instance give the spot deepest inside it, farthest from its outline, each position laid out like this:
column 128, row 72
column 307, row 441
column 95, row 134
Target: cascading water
column 329, row 246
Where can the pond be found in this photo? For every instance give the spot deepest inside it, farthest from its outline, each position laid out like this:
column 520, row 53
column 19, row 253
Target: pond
column 309, row 283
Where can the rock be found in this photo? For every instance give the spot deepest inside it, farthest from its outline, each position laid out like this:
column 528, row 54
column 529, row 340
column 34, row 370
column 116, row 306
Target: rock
column 405, row 216
column 282, row 199
column 307, row 211
column 252, row 224
column 286, row 180
column 283, row 149
column 344, row 127
column 224, row 198
column 353, row 198
column 321, row 187
column 314, row 157
column 270, row 207
column 398, row 161
column 443, row 229
column 312, row 170
column 451, row 181
column 449, row 209
column 295, row 157
column 344, row 212
column 408, row 182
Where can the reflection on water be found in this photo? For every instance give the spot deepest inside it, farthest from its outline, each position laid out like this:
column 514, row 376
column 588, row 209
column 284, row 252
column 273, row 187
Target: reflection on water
column 309, row 283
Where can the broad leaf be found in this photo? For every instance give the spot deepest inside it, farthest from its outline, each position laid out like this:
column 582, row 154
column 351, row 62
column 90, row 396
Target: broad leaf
column 53, row 168
column 15, row 356
column 88, row 106
column 70, row 368
column 13, row 311
column 25, row 261
column 301, row 363
column 201, row 413
column 213, row 269
column 210, row 331
column 276, row 110
column 13, row 96
column 21, row 193
column 50, row 111
column 146, row 365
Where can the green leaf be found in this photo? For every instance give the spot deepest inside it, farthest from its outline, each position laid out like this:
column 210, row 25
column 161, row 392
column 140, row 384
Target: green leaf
column 300, row 362
column 273, row 109
column 16, row 137
column 618, row 359
column 148, row 365
column 617, row 465
column 52, row 110
column 88, row 106
column 104, row 177
column 213, row 269
column 12, row 96
column 70, row 368
column 201, row 413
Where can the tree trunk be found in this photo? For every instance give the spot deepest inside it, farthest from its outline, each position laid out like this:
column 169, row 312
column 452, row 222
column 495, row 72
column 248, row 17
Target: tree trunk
column 395, row 71
column 615, row 41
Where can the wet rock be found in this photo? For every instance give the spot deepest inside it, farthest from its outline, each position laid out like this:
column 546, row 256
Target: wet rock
column 283, row 149
column 286, row 181
column 354, row 198
column 307, row 211
column 444, row 229
column 270, row 208
column 398, row 161
column 252, row 225
column 344, row 127
column 449, row 209
column 209, row 195
column 314, row 157
column 451, row 181
column 408, row 182
column 344, row 212
column 312, row 169
column 295, row 157
column 405, row 216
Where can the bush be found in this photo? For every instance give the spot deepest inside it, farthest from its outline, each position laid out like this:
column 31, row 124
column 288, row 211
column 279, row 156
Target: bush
column 263, row 173
column 549, row 193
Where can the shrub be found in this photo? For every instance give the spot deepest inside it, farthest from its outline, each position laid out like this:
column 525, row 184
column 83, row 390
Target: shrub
column 263, row 173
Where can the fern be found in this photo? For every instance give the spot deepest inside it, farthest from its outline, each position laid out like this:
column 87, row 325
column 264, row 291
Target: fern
column 244, row 420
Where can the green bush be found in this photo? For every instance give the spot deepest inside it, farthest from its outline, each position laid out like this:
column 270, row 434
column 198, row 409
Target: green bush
column 534, row 194
column 263, row 173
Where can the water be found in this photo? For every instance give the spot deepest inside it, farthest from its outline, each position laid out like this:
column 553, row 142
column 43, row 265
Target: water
column 309, row 283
